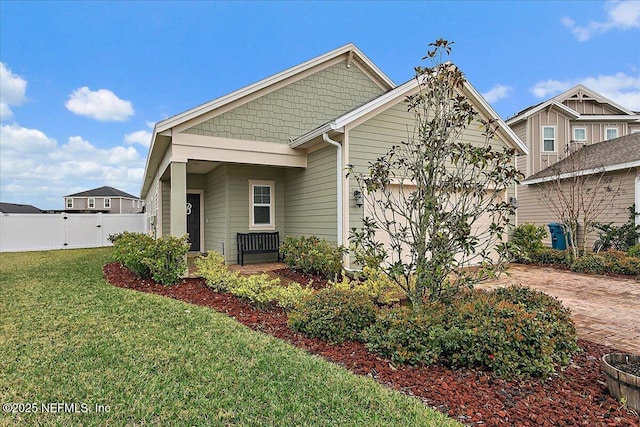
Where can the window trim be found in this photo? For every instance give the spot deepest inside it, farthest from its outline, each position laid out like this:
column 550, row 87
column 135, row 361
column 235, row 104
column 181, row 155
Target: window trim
column 91, row 201
column 607, row 129
column 272, row 205
column 67, row 204
column 106, row 202
column 575, row 138
column 543, row 139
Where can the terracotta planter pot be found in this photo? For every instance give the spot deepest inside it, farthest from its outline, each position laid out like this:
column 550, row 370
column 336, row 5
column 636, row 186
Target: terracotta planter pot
column 622, row 385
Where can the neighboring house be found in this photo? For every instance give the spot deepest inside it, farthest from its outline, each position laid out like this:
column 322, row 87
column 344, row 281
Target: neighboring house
column 104, row 199
column 570, row 123
column 272, row 156
column 17, row 208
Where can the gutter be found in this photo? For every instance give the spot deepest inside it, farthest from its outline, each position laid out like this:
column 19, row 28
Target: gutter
column 619, row 166
column 339, row 179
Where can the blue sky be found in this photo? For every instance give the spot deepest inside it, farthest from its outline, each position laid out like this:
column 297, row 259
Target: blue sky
column 82, row 83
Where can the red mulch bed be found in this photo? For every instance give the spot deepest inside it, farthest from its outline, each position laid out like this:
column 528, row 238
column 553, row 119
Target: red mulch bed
column 577, row 396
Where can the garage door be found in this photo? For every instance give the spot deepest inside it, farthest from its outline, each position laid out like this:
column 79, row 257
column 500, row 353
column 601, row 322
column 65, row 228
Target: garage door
column 481, row 224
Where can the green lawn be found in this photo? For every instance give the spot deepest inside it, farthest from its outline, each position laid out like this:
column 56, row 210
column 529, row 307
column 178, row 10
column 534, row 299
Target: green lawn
column 66, row 336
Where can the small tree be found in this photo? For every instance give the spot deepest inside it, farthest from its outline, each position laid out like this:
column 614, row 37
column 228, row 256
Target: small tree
column 577, row 199
column 428, row 194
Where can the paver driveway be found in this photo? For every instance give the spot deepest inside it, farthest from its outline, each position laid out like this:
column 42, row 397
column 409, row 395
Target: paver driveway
column 605, row 310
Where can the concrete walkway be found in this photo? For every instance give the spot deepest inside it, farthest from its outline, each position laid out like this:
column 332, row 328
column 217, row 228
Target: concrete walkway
column 605, row 310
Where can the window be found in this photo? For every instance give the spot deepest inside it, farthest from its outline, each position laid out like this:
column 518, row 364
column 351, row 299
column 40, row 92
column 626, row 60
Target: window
column 610, row 133
column 69, row 203
column 91, row 203
column 548, row 138
column 261, row 194
column 580, row 134
column 107, row 202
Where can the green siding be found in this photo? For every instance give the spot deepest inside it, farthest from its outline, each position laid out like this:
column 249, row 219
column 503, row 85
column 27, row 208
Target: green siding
column 375, row 137
column 296, row 108
column 166, row 205
column 311, row 199
column 215, row 210
column 227, row 206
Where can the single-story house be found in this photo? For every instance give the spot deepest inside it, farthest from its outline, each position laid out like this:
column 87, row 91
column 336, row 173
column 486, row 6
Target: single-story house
column 613, row 165
column 105, row 199
column 18, row 208
column 272, row 156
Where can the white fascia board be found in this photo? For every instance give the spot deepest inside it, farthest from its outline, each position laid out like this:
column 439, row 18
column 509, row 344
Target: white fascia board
column 610, row 168
column 601, row 99
column 606, row 118
column 283, row 75
column 529, row 113
column 491, row 112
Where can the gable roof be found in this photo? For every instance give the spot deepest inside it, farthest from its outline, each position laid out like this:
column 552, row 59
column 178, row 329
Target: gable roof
column 103, row 192
column 392, row 97
column 579, row 92
column 350, row 48
column 18, row 208
column 614, row 154
column 161, row 129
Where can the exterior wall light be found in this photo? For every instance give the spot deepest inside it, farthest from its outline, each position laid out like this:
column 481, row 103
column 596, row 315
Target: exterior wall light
column 359, row 199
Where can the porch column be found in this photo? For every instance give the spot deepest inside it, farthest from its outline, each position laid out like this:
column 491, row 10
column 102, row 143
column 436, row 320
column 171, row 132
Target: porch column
column 178, row 206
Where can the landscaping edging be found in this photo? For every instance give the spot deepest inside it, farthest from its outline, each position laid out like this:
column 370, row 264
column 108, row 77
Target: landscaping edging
column 576, row 396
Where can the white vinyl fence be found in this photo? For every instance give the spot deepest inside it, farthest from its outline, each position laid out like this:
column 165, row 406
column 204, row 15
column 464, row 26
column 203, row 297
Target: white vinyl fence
column 37, row 232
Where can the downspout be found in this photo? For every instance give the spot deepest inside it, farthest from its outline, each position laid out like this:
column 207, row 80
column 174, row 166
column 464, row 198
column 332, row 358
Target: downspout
column 325, row 138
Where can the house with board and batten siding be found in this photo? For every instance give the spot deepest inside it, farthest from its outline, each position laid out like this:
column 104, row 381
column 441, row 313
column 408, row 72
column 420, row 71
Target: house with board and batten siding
column 272, row 156
column 566, row 124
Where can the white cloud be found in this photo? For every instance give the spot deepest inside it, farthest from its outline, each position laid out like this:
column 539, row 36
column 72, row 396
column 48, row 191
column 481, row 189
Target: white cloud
column 101, row 105
column 36, row 169
column 13, row 91
column 621, row 15
column 141, row 137
column 621, row 88
column 497, row 93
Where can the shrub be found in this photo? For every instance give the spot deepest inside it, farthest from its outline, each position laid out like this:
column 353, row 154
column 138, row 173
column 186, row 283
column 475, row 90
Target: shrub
column 634, row 251
column 515, row 332
column 590, row 263
column 166, row 259
column 213, row 269
column 374, row 284
column 131, row 249
column 405, row 336
column 162, row 260
column 612, row 261
column 620, row 238
column 261, row 290
column 313, row 255
column 526, row 241
column 334, row 315
column 551, row 257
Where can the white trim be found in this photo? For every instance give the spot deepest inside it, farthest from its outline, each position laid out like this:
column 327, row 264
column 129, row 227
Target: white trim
column 606, row 131
column 551, row 103
column 392, row 97
column 66, row 202
column 597, row 97
column 637, row 199
column 620, row 166
column 575, row 139
column 283, row 75
column 601, row 118
column 90, row 201
column 272, row 205
column 107, row 201
column 543, row 138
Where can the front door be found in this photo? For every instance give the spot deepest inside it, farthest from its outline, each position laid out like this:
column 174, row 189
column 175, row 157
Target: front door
column 193, row 221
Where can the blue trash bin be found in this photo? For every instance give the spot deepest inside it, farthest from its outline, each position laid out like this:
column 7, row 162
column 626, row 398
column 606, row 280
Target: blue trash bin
column 558, row 240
